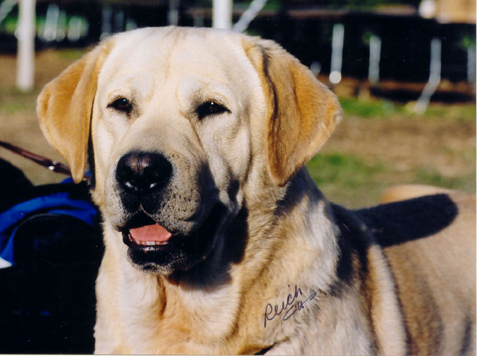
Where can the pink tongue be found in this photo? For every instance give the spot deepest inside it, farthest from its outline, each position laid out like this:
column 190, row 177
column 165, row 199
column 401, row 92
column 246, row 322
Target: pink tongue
column 150, row 233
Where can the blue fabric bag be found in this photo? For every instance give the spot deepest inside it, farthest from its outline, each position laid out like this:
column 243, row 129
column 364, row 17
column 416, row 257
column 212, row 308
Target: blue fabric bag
column 50, row 250
column 55, row 203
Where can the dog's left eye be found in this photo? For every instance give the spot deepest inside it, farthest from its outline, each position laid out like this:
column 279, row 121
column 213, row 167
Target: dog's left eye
column 210, row 108
column 121, row 104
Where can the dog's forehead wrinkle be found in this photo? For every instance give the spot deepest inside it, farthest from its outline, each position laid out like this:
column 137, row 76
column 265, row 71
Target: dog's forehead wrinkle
column 136, row 85
column 197, row 89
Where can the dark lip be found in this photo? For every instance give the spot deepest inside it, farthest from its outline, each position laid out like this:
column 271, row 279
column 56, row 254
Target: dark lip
column 138, row 220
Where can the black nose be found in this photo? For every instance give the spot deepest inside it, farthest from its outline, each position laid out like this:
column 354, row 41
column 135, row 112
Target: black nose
column 141, row 173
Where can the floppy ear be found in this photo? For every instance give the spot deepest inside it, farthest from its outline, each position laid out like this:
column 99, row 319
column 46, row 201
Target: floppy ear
column 65, row 105
column 303, row 112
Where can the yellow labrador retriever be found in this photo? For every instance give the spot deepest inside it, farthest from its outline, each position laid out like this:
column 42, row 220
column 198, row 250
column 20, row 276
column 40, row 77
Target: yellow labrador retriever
column 217, row 240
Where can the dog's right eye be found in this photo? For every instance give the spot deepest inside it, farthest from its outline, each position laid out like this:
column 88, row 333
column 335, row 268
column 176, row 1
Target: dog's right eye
column 121, row 104
column 210, row 108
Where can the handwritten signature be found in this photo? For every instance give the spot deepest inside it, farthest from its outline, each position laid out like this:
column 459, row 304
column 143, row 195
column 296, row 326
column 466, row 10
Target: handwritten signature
column 289, row 306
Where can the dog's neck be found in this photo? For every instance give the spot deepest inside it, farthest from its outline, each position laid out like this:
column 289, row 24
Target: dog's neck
column 296, row 216
column 248, row 249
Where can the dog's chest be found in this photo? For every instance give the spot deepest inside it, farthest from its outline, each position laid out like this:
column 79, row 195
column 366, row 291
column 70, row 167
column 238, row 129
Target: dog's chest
column 169, row 320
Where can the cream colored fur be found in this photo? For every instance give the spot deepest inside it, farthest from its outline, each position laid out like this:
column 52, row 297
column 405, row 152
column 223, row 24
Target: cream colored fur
column 280, row 115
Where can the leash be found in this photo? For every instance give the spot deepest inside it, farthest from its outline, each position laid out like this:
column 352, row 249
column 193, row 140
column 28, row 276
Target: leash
column 53, row 166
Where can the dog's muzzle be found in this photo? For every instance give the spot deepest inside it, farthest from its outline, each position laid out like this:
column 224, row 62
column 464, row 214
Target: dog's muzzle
column 155, row 242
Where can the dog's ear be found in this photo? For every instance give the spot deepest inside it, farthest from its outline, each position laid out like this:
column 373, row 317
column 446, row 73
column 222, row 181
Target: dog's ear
column 303, row 112
column 65, row 106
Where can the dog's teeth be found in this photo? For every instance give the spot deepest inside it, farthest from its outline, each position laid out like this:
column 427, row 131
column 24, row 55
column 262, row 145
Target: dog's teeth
column 150, row 243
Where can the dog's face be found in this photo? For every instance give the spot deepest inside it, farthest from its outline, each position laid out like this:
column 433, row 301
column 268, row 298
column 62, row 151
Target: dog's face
column 171, row 120
column 183, row 126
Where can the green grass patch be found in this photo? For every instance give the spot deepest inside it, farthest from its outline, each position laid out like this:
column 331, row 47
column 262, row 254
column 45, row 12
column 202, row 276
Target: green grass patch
column 13, row 107
column 454, row 112
column 71, row 54
column 347, row 171
column 14, row 101
column 347, row 179
column 369, row 109
column 382, row 109
column 465, row 183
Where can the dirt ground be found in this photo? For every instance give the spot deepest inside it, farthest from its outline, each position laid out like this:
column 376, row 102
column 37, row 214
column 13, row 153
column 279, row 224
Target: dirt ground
column 407, row 144
column 404, row 142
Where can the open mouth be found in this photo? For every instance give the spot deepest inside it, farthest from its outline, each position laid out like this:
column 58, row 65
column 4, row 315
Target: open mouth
column 144, row 233
column 149, row 235
column 152, row 247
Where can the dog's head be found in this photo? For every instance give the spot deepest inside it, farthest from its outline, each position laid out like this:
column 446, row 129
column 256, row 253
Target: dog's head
column 180, row 124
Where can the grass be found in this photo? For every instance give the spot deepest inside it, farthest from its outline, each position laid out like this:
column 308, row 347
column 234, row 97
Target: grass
column 72, row 54
column 382, row 109
column 10, row 108
column 14, row 101
column 376, row 109
column 347, row 171
column 455, row 112
column 349, row 180
column 431, row 177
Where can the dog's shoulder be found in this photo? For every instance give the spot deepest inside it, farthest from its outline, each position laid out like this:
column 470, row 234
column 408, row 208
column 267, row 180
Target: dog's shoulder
column 429, row 244
column 426, row 229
